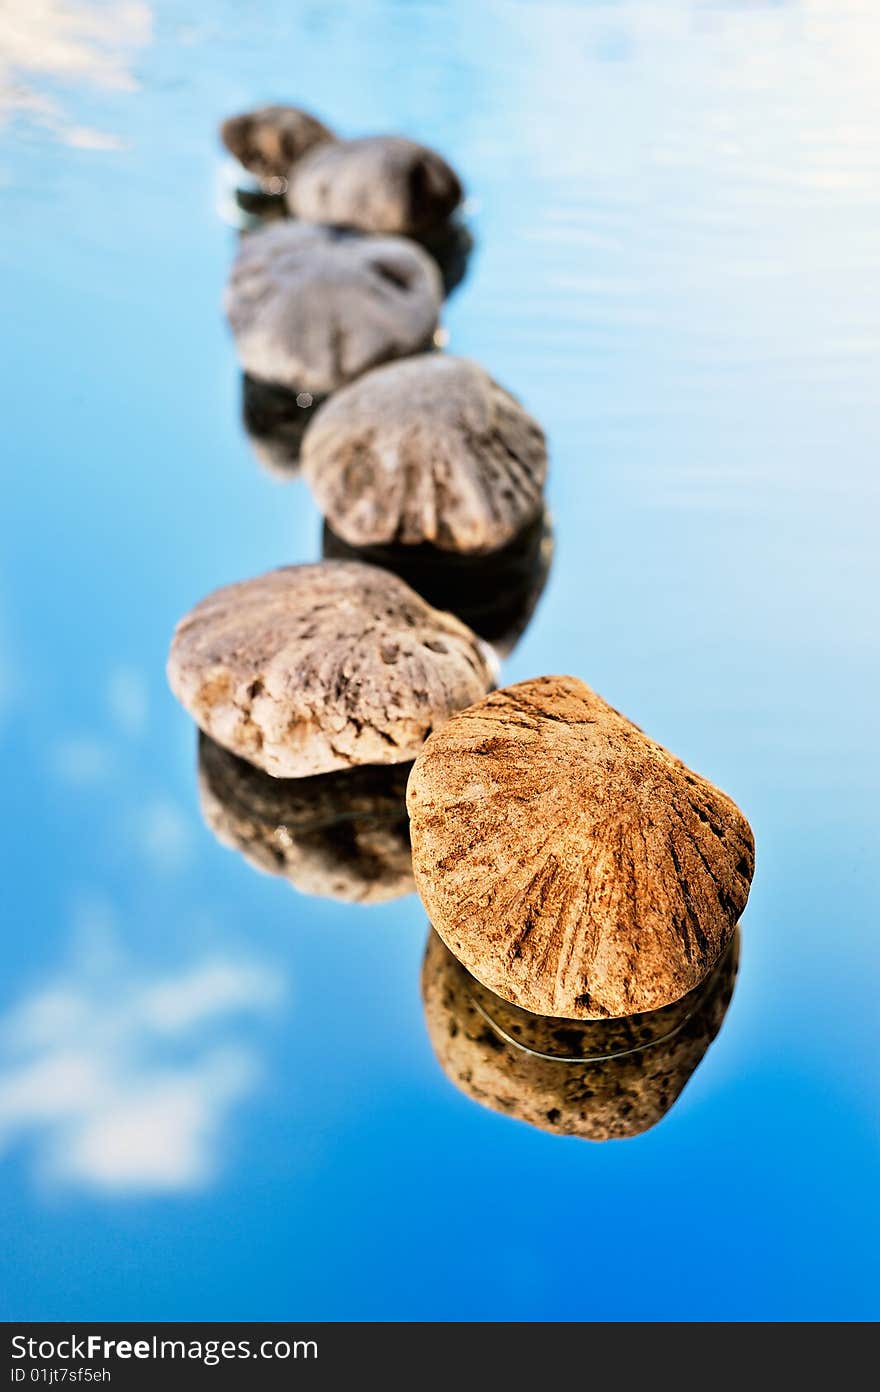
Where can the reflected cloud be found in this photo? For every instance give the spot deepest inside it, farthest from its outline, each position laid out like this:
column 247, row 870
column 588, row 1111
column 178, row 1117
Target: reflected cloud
column 122, row 1083
column 81, row 42
column 338, row 835
column 128, row 700
column 82, row 761
column 597, row 1079
column 495, row 595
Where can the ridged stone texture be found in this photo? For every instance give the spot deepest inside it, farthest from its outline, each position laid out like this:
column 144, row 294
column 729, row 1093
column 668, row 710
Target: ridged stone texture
column 430, row 450
column 573, row 865
column 317, row 667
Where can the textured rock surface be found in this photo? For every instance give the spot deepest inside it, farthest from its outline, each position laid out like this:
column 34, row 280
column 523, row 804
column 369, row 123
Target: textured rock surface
column 381, row 183
column 495, row 594
column 318, row 667
column 312, row 307
column 574, row 866
column 339, row 835
column 493, row 1052
column 271, row 139
column 427, row 450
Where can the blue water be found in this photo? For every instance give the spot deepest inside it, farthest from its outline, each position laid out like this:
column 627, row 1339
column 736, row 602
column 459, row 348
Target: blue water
column 217, row 1097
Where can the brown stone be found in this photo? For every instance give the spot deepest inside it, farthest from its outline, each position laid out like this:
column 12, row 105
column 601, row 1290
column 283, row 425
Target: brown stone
column 339, row 835
column 430, row 450
column 313, row 307
column 382, row 183
column 270, row 140
column 317, row 667
column 600, row 1079
column 574, row 866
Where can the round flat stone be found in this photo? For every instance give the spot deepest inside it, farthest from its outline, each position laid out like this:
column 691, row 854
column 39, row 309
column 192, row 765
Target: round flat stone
column 382, row 183
column 311, row 307
column 270, row 140
column 430, row 450
column 573, row 865
column 599, row 1079
column 338, row 835
column 319, row 667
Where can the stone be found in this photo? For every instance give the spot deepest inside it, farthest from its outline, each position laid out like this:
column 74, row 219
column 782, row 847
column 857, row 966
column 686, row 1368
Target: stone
column 311, row 307
column 318, row 667
column 430, row 450
column 495, row 594
column 270, row 140
column 600, row 1079
column 382, row 183
column 573, row 865
column 341, row 835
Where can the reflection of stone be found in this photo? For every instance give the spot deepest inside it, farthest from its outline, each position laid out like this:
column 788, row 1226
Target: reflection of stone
column 450, row 245
column 314, row 307
column 573, row 864
column 339, row 835
column 382, row 183
column 429, row 451
column 494, row 595
column 275, row 420
column 557, row 1074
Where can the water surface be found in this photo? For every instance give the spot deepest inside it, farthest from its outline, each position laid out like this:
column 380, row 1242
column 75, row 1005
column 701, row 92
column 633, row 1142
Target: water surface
column 217, row 1097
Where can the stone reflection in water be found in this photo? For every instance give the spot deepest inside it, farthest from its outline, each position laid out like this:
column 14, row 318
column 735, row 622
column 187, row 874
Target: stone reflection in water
column 600, row 1080
column 342, row 835
column 275, row 420
column 495, row 595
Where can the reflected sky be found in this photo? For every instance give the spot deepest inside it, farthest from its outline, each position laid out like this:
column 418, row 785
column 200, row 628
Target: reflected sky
column 676, row 213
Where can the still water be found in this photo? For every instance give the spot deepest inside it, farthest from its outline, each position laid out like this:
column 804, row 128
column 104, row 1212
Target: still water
column 218, row 1098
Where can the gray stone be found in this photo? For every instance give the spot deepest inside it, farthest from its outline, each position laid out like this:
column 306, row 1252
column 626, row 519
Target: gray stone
column 318, row 667
column 312, row 307
column 382, row 183
column 430, row 450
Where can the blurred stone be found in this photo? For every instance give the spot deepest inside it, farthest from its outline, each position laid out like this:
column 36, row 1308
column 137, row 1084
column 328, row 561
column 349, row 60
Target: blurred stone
column 313, row 307
column 339, row 835
column 573, row 865
column 382, row 183
column 430, row 450
column 600, row 1080
column 318, row 667
column 269, row 141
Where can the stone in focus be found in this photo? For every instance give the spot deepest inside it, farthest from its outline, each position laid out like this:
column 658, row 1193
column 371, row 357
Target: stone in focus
column 430, row 450
column 557, row 1074
column 312, row 307
column 270, row 140
column 381, row 183
column 573, row 865
column 341, row 835
column 318, row 667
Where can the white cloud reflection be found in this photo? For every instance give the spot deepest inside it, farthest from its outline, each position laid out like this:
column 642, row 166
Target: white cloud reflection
column 48, row 44
column 121, row 1082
